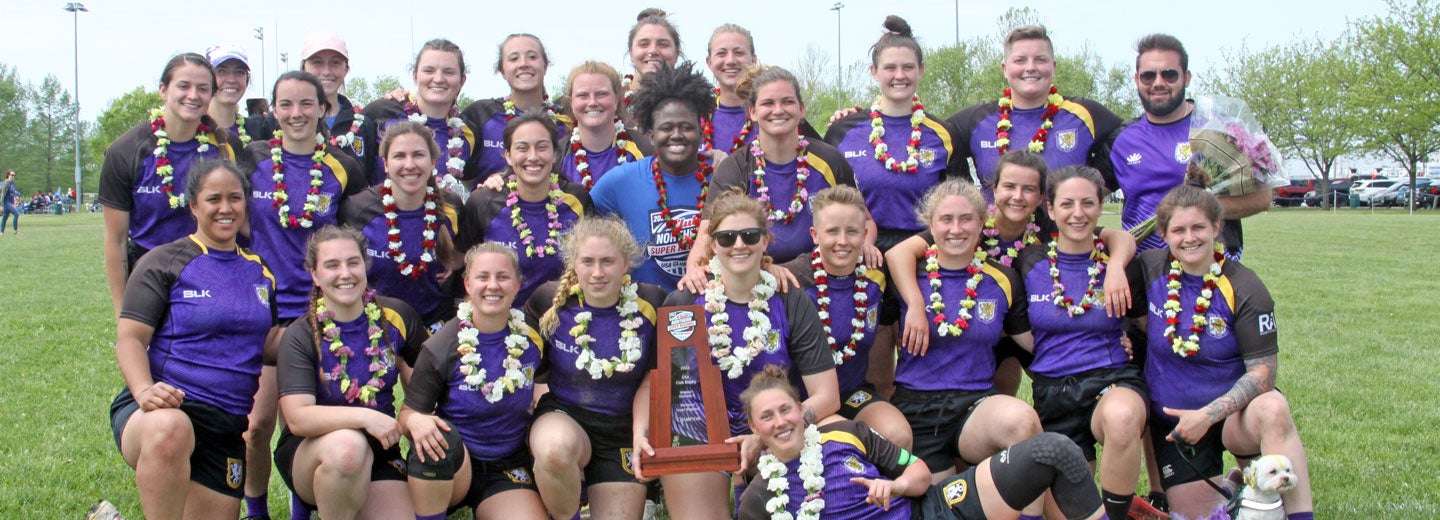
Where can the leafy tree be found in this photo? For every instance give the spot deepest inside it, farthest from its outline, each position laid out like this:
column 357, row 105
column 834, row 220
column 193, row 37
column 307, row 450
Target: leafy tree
column 51, row 132
column 1395, row 101
column 362, row 91
column 123, row 113
column 14, row 98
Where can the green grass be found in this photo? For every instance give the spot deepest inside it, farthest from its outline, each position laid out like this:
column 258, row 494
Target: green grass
column 1354, row 291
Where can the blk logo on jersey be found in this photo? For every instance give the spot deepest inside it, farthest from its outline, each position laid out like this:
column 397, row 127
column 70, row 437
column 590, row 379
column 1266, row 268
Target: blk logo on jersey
column 1066, row 140
column 191, row 293
column 857, row 153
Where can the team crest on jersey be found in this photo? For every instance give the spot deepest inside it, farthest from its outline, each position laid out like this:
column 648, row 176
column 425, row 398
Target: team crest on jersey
column 625, row 462
column 518, row 475
column 872, row 317
column 772, row 342
column 1066, row 140
column 987, row 310
column 955, row 492
column 358, row 146
column 858, row 399
column 323, row 204
column 262, row 291
column 1182, row 152
column 234, row 472
column 927, row 156
column 1216, row 328
column 853, row 464
column 398, row 464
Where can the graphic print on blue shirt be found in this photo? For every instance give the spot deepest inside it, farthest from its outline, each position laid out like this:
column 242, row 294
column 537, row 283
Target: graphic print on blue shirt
column 629, row 191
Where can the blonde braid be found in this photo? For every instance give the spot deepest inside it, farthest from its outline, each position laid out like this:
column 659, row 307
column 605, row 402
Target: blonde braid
column 313, row 319
column 551, row 319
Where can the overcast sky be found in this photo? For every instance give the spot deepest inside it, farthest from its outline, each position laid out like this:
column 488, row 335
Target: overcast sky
column 124, row 43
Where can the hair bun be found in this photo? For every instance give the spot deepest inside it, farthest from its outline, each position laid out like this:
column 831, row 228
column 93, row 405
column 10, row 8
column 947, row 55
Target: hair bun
column 898, row 25
column 650, row 12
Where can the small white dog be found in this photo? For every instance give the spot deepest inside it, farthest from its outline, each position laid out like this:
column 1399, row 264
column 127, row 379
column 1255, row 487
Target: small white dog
column 1265, row 479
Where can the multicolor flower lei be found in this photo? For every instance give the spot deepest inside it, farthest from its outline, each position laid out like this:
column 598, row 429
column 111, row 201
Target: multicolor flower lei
column 330, row 332
column 932, row 271
column 812, row 476
column 515, row 345
column 552, row 216
column 842, row 353
column 511, row 111
column 762, row 192
column 240, row 129
column 392, row 223
column 163, row 169
column 344, row 141
column 877, row 134
column 1037, row 143
column 454, row 147
column 312, row 194
column 1008, row 255
column 1058, row 294
column 582, row 162
column 1191, row 345
column 629, row 309
column 702, row 174
column 757, row 336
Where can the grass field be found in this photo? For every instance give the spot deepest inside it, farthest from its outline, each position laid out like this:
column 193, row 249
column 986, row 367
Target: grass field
column 1355, row 293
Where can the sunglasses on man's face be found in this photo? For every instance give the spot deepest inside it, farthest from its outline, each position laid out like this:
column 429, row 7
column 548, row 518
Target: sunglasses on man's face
column 726, row 238
column 1169, row 75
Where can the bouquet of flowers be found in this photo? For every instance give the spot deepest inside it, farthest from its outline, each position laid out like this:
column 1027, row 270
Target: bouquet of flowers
column 1229, row 152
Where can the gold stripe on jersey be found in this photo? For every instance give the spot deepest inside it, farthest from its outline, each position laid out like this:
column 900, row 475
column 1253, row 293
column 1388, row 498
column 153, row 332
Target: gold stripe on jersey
column 819, row 165
column 1081, row 112
column 633, row 150
column 395, row 319
column 536, row 342
column 338, row 170
column 876, row 276
column 1001, row 279
column 256, row 258
column 453, row 217
column 574, row 204
column 647, row 310
column 1227, row 290
column 843, row 437
column 226, row 152
column 942, row 133
column 469, row 138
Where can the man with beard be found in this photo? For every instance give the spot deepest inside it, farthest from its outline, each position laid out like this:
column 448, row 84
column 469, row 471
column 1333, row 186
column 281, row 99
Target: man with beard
column 1150, row 152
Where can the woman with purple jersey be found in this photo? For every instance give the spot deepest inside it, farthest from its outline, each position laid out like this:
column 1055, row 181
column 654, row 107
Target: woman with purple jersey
column 522, row 61
column 600, row 140
column 410, row 223
column 439, row 72
column 536, row 205
column 339, row 451
column 190, row 340
column 599, row 330
column 469, row 399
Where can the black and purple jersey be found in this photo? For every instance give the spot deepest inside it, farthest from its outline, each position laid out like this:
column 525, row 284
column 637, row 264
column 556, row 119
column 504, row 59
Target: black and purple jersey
column 851, row 374
column 827, row 168
column 1067, row 345
column 379, row 115
column 603, row 161
column 425, row 294
column 966, row 362
column 309, row 369
column 892, row 196
column 128, row 183
column 800, row 349
column 211, row 311
column 848, row 450
column 486, row 219
column 487, row 117
column 491, row 431
column 574, row 387
column 282, row 247
column 1239, row 325
column 629, row 192
column 1078, row 127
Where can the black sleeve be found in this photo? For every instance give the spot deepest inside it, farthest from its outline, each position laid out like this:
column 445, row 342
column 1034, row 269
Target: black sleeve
column 803, row 270
column 251, row 156
column 429, row 380
column 577, row 190
column 536, row 307
column 1017, row 317
column 478, row 113
column 1254, row 314
column 117, row 174
column 1104, row 145
column 1141, row 274
column 732, row 174
column 964, row 123
column 807, row 345
column 889, row 459
column 358, row 211
column 956, row 167
column 147, row 292
column 839, row 167
column 752, row 502
column 414, row 328
column 298, row 370
column 1106, row 122
column 836, row 133
column 642, row 142
column 376, row 113
column 355, row 179
column 809, row 131
column 475, row 217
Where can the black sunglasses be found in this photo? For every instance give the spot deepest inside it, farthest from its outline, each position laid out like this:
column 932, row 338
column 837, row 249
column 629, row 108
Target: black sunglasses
column 726, row 238
column 1169, row 75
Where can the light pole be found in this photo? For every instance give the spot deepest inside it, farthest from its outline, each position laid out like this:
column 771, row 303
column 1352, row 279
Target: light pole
column 75, row 8
column 839, row 63
column 260, row 35
column 285, row 61
column 957, row 23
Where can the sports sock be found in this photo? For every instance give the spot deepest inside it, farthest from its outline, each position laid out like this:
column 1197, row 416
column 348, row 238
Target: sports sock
column 1308, row 515
column 1028, row 517
column 436, row 516
column 1117, row 505
column 257, row 506
column 298, row 509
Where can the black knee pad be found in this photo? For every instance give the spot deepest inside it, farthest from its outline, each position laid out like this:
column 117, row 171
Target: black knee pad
column 1046, row 461
column 443, row 469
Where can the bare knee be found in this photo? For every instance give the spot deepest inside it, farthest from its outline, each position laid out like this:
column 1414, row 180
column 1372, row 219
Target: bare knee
column 1122, row 423
column 1272, row 412
column 555, row 448
column 168, row 434
column 346, row 452
column 1016, row 422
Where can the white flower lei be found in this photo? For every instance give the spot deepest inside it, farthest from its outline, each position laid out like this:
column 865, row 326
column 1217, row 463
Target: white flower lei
column 932, row 271
column 454, row 165
column 629, row 339
column 812, row 476
column 515, row 344
column 756, row 336
column 822, row 302
column 392, row 234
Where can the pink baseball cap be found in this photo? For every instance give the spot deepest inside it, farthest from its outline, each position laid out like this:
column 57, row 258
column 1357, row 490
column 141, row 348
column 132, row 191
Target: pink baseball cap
column 323, row 41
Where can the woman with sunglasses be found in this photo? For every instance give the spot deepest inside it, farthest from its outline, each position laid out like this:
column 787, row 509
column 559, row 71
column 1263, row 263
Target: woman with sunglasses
column 751, row 325
column 601, row 140
column 439, row 72
column 522, row 61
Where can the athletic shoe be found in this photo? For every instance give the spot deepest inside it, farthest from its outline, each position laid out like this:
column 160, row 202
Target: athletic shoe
column 103, row 510
column 1141, row 509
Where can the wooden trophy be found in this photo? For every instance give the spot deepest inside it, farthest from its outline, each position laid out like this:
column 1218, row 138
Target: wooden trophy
column 688, row 423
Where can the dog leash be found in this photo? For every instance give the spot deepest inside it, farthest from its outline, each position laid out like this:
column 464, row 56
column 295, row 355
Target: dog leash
column 1181, row 447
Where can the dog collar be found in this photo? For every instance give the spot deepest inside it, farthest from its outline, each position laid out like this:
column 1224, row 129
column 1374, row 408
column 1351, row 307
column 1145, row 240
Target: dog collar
column 1246, row 503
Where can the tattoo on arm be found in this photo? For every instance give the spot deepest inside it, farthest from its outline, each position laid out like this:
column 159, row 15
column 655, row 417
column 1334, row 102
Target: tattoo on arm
column 1259, row 378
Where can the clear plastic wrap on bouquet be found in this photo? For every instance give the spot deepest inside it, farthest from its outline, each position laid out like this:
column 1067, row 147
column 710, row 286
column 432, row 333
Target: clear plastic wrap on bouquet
column 1231, row 146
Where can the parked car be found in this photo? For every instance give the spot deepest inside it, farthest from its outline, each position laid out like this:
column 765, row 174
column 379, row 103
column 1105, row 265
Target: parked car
column 1339, row 194
column 1293, row 194
column 1368, row 188
column 1390, row 196
column 1426, row 187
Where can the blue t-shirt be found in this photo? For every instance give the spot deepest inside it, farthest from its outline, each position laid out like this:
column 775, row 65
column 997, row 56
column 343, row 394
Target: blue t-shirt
column 629, row 192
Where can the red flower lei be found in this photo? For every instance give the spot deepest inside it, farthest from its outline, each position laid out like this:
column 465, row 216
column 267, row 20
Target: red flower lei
column 702, row 174
column 312, row 195
column 392, row 223
column 877, row 134
column 802, row 171
column 1037, row 143
column 822, row 303
column 739, row 140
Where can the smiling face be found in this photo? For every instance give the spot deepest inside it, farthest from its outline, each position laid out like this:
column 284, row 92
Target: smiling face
column 438, row 77
column 729, row 54
column 187, row 96
column 331, row 67
column 956, row 224
column 233, row 77
column 340, row 272
column 778, row 110
column 1029, row 68
column 297, row 108
column 531, row 153
column 1076, row 209
column 593, row 100
column 897, row 71
column 839, row 232
column 522, row 64
column 600, row 270
column 491, row 283
column 219, row 208
column 1191, row 237
column 651, row 46
column 740, row 258
column 1017, row 193
column 408, row 163
column 676, row 136
column 1161, row 97
column 779, row 421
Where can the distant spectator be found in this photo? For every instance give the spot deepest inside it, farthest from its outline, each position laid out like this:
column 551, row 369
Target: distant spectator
column 8, row 194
